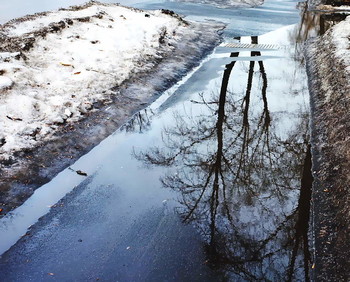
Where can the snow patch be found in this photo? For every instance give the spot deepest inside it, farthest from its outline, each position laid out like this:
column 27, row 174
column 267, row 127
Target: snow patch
column 70, row 59
column 341, row 41
column 5, row 82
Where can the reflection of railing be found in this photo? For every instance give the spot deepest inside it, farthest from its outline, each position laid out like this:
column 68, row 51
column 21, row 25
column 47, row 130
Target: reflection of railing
column 254, row 46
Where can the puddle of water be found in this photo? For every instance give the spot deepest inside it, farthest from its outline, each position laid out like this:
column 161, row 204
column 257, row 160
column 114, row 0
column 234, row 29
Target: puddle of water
column 230, row 146
column 241, row 163
column 17, row 222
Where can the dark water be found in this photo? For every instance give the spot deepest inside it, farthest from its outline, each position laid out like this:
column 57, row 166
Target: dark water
column 211, row 182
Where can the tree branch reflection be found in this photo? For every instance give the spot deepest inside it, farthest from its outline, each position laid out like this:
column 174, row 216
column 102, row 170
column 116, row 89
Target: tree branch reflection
column 140, row 122
column 239, row 180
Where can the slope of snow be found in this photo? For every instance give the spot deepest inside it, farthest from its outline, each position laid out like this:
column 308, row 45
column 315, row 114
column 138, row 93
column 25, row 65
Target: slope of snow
column 70, row 59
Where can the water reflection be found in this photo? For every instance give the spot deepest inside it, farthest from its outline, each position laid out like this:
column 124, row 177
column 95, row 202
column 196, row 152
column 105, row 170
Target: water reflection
column 140, row 122
column 315, row 23
column 245, row 186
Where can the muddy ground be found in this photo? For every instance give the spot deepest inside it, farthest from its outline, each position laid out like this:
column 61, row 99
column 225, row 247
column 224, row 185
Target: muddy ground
column 330, row 126
column 32, row 168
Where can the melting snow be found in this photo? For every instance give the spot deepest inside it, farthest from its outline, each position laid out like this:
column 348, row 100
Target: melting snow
column 73, row 64
column 341, row 41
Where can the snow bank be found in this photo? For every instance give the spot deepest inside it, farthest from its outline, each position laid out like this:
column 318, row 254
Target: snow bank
column 54, row 66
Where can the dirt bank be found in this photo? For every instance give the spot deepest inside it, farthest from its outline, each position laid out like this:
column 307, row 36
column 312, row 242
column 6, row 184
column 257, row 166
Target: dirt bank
column 329, row 83
column 31, row 167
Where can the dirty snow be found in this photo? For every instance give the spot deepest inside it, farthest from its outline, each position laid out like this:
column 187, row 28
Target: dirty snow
column 333, row 47
column 341, row 41
column 323, row 7
column 65, row 72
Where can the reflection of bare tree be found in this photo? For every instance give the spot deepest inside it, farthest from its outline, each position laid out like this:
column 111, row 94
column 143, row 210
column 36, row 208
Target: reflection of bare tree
column 310, row 24
column 140, row 122
column 302, row 223
column 237, row 179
